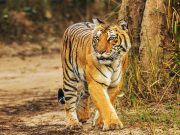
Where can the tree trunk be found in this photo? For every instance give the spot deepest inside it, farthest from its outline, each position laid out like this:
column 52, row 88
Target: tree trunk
column 150, row 40
column 132, row 11
column 146, row 19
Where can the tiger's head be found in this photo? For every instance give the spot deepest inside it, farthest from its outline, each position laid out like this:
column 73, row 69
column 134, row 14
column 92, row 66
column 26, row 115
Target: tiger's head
column 110, row 42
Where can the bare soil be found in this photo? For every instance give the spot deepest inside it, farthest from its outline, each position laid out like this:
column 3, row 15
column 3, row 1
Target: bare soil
column 28, row 99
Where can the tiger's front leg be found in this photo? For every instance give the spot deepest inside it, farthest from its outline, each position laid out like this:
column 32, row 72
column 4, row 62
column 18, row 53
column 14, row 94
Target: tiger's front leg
column 112, row 92
column 100, row 97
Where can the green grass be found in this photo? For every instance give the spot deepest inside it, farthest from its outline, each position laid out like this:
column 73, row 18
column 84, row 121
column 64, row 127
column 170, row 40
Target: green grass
column 154, row 117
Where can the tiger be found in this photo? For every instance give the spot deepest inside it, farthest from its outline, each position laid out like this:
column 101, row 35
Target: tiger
column 95, row 54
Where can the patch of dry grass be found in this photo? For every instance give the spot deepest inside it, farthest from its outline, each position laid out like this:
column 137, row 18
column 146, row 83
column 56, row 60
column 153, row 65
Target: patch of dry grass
column 157, row 119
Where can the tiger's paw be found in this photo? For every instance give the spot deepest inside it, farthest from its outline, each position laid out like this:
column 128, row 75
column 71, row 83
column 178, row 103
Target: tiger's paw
column 113, row 125
column 83, row 114
column 75, row 126
column 97, row 122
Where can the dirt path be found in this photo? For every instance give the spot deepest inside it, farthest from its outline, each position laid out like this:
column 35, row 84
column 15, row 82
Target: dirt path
column 28, row 104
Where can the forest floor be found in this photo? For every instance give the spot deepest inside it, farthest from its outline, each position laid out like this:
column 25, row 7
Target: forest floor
column 28, row 99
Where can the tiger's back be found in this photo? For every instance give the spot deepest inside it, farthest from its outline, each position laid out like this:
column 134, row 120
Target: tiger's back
column 76, row 40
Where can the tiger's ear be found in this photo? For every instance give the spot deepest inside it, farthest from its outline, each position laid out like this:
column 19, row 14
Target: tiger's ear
column 97, row 22
column 123, row 25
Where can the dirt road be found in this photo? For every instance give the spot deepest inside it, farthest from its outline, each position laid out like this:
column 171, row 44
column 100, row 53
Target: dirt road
column 28, row 102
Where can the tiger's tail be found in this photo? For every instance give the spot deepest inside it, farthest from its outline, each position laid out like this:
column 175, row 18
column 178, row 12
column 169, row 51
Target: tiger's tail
column 61, row 98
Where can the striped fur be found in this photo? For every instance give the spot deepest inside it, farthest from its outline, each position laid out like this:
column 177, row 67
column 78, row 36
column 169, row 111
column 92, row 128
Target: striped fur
column 96, row 55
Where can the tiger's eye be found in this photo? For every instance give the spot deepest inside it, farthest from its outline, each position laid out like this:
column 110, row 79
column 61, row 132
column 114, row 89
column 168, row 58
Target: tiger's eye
column 96, row 38
column 112, row 38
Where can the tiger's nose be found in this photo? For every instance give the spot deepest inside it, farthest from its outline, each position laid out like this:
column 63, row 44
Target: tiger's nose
column 102, row 51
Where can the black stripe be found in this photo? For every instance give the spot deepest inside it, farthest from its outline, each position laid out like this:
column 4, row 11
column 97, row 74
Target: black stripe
column 101, row 83
column 65, row 43
column 68, row 98
column 100, row 70
column 98, row 82
column 67, row 47
column 74, row 88
column 69, row 108
column 74, row 102
column 76, row 59
column 81, row 105
column 120, row 39
column 67, row 90
column 110, row 87
column 70, row 52
column 68, row 65
column 117, row 66
column 123, row 49
column 73, row 110
column 70, row 94
column 110, row 68
column 125, row 41
column 69, row 78
column 86, row 86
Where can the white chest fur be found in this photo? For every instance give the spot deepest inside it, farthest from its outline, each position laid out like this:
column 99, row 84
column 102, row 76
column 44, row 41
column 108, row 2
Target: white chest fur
column 116, row 78
column 117, row 74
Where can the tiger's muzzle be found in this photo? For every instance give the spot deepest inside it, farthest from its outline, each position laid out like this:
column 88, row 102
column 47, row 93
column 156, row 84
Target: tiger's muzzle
column 105, row 58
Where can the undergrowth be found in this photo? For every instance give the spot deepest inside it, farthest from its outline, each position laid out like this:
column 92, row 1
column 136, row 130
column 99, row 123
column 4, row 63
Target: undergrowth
column 156, row 118
column 155, row 104
column 162, row 82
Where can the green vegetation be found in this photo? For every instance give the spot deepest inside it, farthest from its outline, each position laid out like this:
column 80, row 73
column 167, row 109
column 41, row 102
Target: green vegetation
column 152, row 116
column 163, row 82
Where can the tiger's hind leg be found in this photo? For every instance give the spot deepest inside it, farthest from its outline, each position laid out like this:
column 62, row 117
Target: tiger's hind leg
column 83, row 111
column 70, row 93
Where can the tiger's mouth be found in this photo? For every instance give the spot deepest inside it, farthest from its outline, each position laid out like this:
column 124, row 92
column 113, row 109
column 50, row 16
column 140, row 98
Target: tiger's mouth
column 104, row 58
